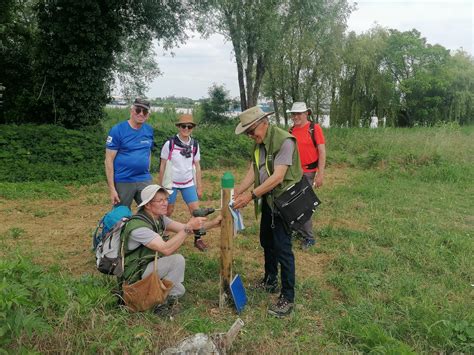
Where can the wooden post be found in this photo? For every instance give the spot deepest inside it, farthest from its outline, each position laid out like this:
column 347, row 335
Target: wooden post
column 227, row 234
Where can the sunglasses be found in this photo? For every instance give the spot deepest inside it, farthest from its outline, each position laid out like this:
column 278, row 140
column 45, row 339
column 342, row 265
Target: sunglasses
column 139, row 110
column 251, row 131
column 184, row 126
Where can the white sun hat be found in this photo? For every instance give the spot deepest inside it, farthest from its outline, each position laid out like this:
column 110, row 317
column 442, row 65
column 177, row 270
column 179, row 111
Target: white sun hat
column 299, row 107
column 149, row 192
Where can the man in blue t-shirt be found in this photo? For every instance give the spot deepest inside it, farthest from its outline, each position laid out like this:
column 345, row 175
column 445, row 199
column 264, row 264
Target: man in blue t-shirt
column 128, row 156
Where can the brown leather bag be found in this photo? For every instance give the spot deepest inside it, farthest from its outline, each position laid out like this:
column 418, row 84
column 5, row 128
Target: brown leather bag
column 146, row 293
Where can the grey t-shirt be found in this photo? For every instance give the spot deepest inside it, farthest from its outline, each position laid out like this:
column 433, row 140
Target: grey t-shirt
column 144, row 235
column 283, row 157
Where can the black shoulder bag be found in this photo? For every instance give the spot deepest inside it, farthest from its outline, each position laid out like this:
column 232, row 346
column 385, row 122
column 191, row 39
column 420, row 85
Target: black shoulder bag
column 297, row 203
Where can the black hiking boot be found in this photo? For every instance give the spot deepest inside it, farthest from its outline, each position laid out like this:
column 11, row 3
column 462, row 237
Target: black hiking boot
column 170, row 308
column 267, row 284
column 281, row 308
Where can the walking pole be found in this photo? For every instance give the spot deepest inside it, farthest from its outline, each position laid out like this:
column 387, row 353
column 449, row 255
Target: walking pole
column 227, row 230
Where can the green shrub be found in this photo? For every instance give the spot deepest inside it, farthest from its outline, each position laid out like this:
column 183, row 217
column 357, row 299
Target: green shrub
column 50, row 153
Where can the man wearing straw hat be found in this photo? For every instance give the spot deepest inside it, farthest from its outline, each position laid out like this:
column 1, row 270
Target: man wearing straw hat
column 312, row 148
column 143, row 237
column 275, row 166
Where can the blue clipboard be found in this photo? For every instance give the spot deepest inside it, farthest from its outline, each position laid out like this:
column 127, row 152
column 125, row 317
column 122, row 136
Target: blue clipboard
column 238, row 293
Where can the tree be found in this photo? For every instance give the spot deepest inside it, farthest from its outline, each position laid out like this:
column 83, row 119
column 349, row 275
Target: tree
column 251, row 27
column 79, row 44
column 214, row 108
column 134, row 68
column 460, row 97
column 17, row 43
column 305, row 63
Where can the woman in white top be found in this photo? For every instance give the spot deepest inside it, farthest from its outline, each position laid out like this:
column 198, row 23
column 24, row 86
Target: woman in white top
column 183, row 152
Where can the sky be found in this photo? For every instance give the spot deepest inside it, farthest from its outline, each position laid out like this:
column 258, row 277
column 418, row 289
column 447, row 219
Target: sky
column 199, row 63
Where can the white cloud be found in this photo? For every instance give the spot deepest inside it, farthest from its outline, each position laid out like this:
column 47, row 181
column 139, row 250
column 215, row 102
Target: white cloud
column 194, row 67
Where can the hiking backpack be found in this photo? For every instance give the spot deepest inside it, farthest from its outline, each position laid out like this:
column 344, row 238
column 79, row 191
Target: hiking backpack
column 109, row 252
column 107, row 223
column 172, row 142
column 310, row 131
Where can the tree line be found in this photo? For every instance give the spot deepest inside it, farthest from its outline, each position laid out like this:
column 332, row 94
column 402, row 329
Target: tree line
column 62, row 57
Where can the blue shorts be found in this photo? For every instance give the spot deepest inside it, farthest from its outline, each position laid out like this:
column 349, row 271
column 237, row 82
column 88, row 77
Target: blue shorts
column 189, row 195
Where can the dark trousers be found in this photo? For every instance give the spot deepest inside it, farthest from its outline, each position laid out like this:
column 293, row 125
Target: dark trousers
column 276, row 244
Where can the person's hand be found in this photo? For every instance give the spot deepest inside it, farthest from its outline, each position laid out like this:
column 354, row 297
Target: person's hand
column 242, row 200
column 199, row 192
column 114, row 197
column 217, row 221
column 196, row 222
column 318, row 180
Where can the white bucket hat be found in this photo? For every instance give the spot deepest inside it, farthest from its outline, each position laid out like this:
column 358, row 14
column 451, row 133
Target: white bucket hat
column 249, row 117
column 149, row 192
column 299, row 107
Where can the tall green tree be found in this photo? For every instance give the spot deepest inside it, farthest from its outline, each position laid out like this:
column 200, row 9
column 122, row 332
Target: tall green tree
column 250, row 25
column 305, row 63
column 416, row 67
column 17, row 47
column 460, row 93
column 77, row 47
column 365, row 88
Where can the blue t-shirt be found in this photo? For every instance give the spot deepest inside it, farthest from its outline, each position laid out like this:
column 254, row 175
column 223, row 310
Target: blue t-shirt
column 133, row 146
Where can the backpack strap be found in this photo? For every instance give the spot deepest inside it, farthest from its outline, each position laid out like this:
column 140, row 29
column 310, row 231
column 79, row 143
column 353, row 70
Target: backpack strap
column 155, row 227
column 194, row 144
column 171, row 147
column 311, row 133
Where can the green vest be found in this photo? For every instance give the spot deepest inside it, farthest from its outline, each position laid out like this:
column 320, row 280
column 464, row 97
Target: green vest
column 272, row 143
column 137, row 260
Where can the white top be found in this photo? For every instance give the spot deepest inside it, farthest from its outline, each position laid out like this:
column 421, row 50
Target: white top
column 182, row 167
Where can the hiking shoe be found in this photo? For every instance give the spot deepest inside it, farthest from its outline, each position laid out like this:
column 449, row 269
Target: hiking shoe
column 267, row 285
column 170, row 308
column 281, row 308
column 162, row 310
column 307, row 243
column 199, row 244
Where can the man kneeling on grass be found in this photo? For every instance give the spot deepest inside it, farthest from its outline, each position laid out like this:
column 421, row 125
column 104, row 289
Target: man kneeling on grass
column 143, row 237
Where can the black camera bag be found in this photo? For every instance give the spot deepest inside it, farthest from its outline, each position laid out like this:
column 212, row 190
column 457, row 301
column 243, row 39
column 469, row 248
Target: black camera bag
column 297, row 204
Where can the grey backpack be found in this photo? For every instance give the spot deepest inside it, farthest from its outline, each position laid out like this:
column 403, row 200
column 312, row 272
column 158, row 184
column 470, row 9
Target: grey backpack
column 109, row 253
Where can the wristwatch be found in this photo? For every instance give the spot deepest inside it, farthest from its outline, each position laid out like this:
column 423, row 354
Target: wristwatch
column 254, row 197
column 188, row 230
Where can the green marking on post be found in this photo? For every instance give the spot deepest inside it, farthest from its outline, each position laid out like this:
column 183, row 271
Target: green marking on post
column 227, row 180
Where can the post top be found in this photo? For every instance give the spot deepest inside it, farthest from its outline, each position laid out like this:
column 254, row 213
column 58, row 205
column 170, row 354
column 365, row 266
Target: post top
column 227, row 180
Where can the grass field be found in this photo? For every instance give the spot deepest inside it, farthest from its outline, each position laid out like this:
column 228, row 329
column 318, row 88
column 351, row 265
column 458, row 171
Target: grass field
column 392, row 271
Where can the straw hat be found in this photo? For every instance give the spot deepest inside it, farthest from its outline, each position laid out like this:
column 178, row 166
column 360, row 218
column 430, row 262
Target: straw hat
column 299, row 107
column 249, row 117
column 186, row 119
column 149, row 192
